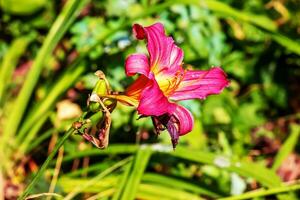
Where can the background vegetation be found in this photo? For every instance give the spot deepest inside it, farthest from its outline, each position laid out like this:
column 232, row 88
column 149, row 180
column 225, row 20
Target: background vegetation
column 245, row 141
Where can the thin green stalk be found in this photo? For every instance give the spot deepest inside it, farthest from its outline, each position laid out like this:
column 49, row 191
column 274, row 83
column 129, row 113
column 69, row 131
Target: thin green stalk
column 264, row 192
column 93, row 120
column 60, row 26
column 46, row 163
column 47, row 194
column 56, row 171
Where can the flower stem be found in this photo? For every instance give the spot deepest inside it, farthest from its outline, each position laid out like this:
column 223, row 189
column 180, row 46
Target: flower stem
column 46, row 163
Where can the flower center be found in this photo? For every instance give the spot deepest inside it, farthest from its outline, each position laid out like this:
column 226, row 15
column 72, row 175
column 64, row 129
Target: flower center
column 168, row 84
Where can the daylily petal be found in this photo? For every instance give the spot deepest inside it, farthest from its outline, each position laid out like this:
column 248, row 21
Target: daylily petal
column 153, row 102
column 181, row 122
column 124, row 99
column 200, row 84
column 132, row 94
column 185, row 118
column 165, row 56
column 178, row 123
column 135, row 89
column 137, row 63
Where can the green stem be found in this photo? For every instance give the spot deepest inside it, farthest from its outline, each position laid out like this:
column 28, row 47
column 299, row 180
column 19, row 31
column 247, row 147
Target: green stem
column 46, row 163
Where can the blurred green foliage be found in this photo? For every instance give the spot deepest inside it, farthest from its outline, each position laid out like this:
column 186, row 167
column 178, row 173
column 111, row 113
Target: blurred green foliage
column 236, row 137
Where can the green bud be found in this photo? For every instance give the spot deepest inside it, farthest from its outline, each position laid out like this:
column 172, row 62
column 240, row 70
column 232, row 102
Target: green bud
column 110, row 104
column 94, row 106
column 100, row 88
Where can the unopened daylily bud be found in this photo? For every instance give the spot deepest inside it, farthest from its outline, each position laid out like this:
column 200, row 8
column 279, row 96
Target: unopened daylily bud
column 93, row 103
column 110, row 104
column 94, row 106
column 101, row 88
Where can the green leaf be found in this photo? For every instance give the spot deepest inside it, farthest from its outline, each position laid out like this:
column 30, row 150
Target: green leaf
column 122, row 181
column 178, row 184
column 290, row 44
column 139, row 165
column 10, row 61
column 247, row 169
column 60, row 26
column 150, row 191
column 20, row 7
column 226, row 11
column 81, row 187
column 287, row 147
column 264, row 192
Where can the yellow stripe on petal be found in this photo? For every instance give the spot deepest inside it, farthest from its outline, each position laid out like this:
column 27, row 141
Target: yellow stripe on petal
column 127, row 100
column 168, row 84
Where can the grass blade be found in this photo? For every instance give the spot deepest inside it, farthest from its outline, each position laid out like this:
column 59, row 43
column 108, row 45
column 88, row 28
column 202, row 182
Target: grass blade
column 123, row 181
column 247, row 169
column 45, row 164
column 68, row 184
column 96, row 179
column 10, row 61
column 264, row 192
column 155, row 191
column 139, row 165
column 287, row 147
column 59, row 88
column 226, row 11
column 110, row 150
column 177, row 184
column 60, row 26
column 290, row 44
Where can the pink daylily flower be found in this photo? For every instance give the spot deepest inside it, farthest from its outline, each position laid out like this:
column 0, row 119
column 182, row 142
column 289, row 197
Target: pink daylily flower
column 163, row 82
